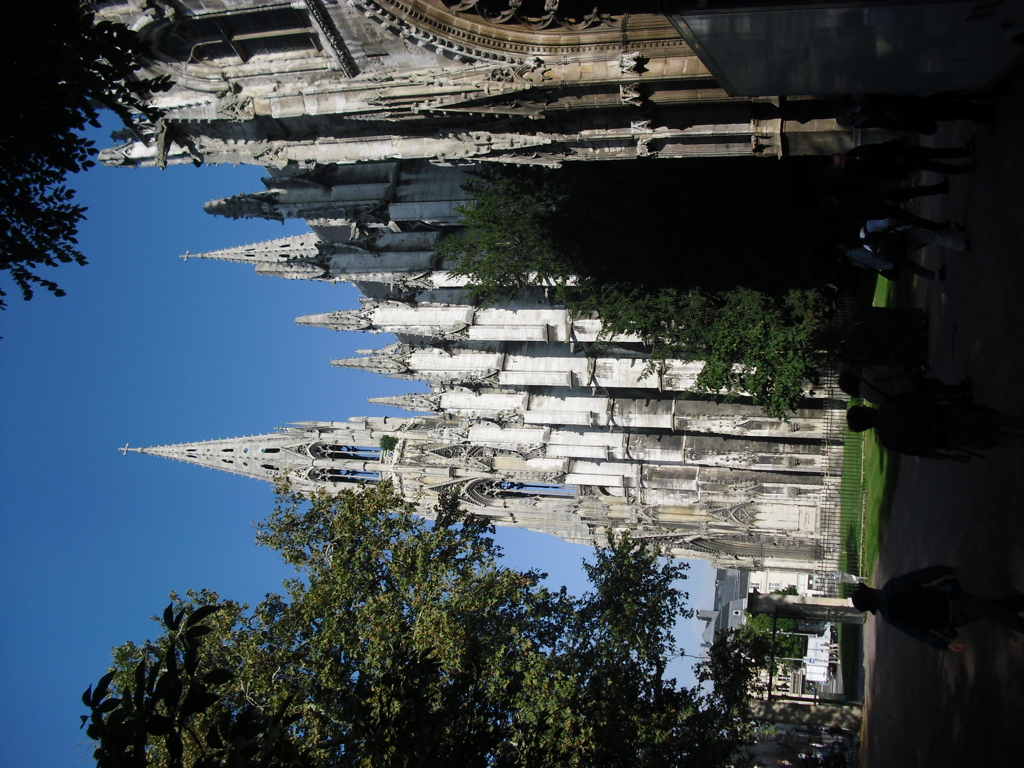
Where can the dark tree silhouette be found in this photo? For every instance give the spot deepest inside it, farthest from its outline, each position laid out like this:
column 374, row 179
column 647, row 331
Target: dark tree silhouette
column 67, row 67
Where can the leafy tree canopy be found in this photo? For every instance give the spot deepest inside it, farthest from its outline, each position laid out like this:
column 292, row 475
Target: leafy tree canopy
column 407, row 643
column 67, row 67
column 720, row 267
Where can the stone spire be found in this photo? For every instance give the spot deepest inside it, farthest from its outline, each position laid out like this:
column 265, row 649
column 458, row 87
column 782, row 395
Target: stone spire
column 296, row 257
column 310, row 454
column 417, row 401
column 288, row 197
column 392, row 360
column 254, row 205
column 267, row 251
column 439, row 321
column 343, row 320
column 260, row 456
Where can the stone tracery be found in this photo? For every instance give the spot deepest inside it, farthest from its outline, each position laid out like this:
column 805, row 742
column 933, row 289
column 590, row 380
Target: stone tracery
column 535, row 14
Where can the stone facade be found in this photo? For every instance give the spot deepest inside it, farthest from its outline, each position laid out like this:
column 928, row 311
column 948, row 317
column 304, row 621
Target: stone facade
column 315, row 82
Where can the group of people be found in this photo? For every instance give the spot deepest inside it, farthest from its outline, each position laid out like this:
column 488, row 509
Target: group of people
column 921, row 416
column 915, row 414
column 879, row 234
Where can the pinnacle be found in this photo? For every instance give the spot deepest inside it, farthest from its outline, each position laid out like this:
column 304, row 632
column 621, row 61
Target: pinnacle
column 346, row 319
column 280, row 250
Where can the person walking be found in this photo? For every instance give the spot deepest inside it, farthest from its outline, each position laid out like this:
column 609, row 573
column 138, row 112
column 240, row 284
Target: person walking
column 897, row 159
column 861, row 207
column 908, row 112
column 916, row 237
column 916, row 426
column 890, row 263
column 878, row 384
column 929, row 605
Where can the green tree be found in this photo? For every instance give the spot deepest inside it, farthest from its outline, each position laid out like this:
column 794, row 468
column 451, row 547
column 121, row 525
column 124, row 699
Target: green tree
column 510, row 240
column 402, row 642
column 67, row 67
column 752, row 316
column 757, row 630
column 163, row 697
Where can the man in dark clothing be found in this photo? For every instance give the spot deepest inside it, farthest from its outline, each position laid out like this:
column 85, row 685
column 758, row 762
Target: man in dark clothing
column 914, row 426
column 896, row 160
column 908, row 425
column 888, row 263
column 859, row 208
column 905, row 112
column 929, row 604
column 879, row 383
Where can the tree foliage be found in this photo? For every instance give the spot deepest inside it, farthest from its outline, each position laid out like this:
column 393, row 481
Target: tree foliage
column 162, row 693
column 68, row 66
column 407, row 643
column 510, row 239
column 745, row 300
column 787, row 646
column 757, row 631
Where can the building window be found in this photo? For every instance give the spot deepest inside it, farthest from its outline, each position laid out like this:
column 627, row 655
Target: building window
column 280, row 29
column 773, row 586
column 755, row 586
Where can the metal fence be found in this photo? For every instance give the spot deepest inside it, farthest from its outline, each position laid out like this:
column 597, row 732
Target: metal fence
column 841, row 513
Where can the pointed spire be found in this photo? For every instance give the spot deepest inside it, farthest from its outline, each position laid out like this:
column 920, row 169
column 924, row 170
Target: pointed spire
column 250, row 205
column 392, row 365
column 344, row 320
column 417, row 401
column 392, row 360
column 278, row 251
column 311, row 454
column 261, row 456
column 297, row 257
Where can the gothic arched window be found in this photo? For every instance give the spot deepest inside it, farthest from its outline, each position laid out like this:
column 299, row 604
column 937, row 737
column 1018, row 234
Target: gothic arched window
column 333, row 451
column 334, row 475
column 494, row 492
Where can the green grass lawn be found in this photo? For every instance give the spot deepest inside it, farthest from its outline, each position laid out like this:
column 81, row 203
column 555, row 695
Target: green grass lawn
column 851, row 495
column 881, row 471
column 880, row 467
column 869, row 483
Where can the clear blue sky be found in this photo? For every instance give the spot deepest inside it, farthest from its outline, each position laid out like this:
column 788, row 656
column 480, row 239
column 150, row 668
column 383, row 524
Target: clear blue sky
column 148, row 349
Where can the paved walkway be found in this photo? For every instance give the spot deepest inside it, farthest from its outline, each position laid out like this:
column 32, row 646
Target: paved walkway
column 928, row 708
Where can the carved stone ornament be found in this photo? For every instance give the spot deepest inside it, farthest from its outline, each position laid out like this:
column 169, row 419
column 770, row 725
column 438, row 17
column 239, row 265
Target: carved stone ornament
column 629, row 93
column 743, row 514
column 411, row 402
column 348, row 320
column 236, row 108
column 575, row 15
column 629, row 63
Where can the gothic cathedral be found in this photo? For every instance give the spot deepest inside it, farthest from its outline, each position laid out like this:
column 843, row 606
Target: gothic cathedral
column 367, row 114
